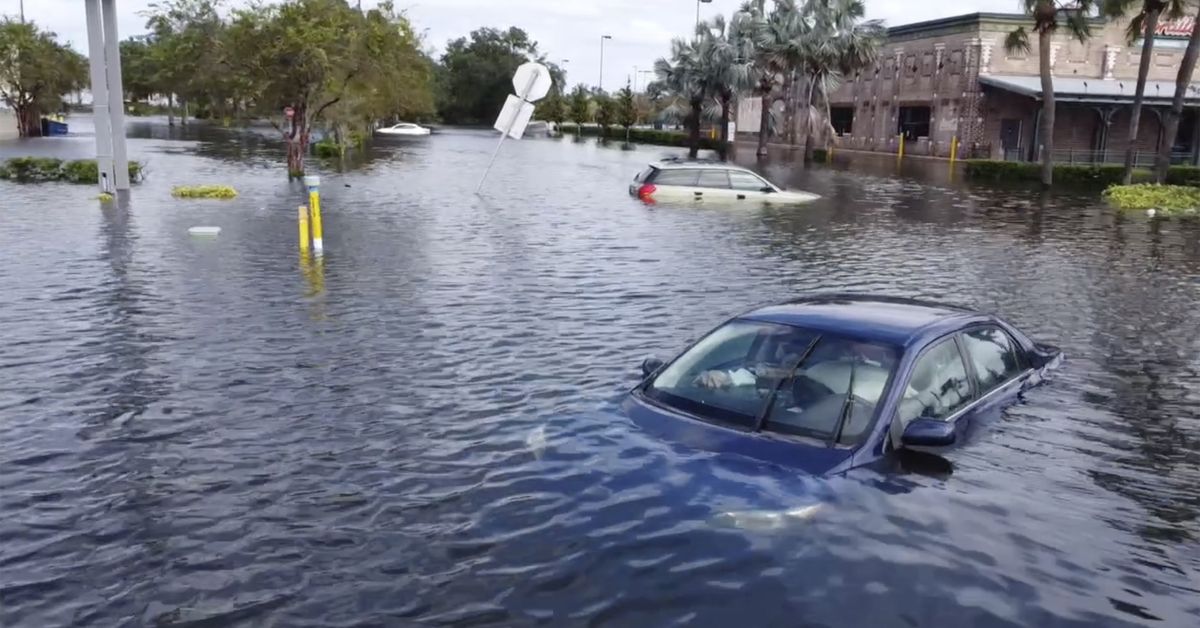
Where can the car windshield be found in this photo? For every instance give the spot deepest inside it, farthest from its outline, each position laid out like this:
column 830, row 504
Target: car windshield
column 779, row 378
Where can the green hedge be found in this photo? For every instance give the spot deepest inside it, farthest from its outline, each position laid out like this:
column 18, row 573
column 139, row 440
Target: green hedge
column 1101, row 175
column 641, row 136
column 39, row 169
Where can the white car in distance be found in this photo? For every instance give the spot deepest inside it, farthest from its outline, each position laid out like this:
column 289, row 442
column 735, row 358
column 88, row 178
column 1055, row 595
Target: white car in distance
column 710, row 181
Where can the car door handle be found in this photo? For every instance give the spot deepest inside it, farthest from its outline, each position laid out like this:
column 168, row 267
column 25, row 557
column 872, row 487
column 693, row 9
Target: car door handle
column 698, row 193
column 741, row 197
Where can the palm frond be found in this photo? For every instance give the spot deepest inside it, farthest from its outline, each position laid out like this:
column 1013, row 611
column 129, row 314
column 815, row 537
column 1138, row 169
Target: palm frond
column 1017, row 41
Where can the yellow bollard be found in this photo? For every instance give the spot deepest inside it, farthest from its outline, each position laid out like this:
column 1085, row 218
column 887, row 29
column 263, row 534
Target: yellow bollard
column 900, row 153
column 953, row 150
column 314, row 205
column 302, row 220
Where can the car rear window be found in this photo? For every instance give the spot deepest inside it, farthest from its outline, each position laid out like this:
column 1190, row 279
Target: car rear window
column 683, row 176
column 714, row 179
column 645, row 174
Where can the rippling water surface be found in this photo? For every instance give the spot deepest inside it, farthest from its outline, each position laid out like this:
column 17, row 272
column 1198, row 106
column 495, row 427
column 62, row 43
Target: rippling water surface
column 421, row 429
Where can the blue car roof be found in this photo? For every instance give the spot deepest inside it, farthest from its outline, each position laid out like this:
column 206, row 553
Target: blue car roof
column 891, row 320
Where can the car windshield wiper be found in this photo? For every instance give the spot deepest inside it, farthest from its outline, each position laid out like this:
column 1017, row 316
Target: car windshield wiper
column 846, row 406
column 766, row 409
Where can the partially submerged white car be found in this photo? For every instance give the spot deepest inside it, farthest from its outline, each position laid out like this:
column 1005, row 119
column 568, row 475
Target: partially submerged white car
column 406, row 129
column 708, row 181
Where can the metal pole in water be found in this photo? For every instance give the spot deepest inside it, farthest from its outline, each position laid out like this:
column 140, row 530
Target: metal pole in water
column 314, row 202
column 302, row 220
column 116, row 95
column 491, row 161
column 99, row 75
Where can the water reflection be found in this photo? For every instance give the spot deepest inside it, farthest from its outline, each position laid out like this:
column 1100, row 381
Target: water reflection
column 236, row 434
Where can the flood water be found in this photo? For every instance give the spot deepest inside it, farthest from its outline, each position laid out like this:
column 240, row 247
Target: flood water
column 421, row 429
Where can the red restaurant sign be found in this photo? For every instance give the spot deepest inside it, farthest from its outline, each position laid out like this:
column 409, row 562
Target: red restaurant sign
column 1176, row 28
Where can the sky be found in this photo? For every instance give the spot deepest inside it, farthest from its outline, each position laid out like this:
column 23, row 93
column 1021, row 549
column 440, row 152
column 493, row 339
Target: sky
column 567, row 30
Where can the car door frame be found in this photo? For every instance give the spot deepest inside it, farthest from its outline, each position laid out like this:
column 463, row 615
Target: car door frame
column 1004, row 394
column 676, row 192
column 752, row 195
column 891, row 437
column 718, row 194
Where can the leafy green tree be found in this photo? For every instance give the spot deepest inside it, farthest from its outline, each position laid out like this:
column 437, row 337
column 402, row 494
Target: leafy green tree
column 329, row 63
column 627, row 112
column 1048, row 16
column 580, row 107
column 138, row 69
column 552, row 108
column 606, row 112
column 185, row 51
column 475, row 75
column 35, row 73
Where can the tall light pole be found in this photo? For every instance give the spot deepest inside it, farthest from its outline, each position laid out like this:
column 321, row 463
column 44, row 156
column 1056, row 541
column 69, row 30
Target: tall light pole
column 22, row 5
column 602, row 38
column 698, row 9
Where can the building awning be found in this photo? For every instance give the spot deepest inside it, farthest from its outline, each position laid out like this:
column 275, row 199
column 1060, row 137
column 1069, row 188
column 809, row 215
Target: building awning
column 1092, row 90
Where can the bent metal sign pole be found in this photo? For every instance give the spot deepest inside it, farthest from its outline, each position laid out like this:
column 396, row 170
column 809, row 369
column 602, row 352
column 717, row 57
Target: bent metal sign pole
column 531, row 82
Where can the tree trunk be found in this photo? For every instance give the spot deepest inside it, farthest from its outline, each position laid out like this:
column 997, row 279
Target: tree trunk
column 183, row 117
column 789, row 108
column 1163, row 164
column 1135, row 117
column 171, row 109
column 694, row 128
column 297, row 142
column 724, row 135
column 808, row 119
column 1047, row 131
column 29, row 123
column 764, row 123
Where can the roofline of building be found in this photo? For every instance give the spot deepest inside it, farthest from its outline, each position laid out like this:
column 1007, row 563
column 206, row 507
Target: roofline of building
column 968, row 19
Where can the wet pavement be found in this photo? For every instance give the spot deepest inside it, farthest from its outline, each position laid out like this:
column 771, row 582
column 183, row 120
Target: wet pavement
column 420, row 429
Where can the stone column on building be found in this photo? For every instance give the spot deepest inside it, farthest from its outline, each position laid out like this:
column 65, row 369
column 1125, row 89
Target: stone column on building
column 985, row 56
column 1110, row 61
column 939, row 51
column 1054, row 48
column 894, row 97
column 970, row 115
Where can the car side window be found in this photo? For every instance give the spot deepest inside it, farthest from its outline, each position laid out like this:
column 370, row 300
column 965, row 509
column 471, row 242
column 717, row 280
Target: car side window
column 714, row 179
column 939, row 385
column 746, row 181
column 683, row 177
column 993, row 354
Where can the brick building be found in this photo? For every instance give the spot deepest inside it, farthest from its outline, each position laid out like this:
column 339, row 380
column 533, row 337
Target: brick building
column 953, row 78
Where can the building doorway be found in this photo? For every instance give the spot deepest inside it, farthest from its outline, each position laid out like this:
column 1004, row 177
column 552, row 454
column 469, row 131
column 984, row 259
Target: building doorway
column 914, row 122
column 842, row 120
column 1010, row 138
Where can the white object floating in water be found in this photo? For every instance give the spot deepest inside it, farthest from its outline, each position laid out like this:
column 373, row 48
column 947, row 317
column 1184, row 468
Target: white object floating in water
column 204, row 231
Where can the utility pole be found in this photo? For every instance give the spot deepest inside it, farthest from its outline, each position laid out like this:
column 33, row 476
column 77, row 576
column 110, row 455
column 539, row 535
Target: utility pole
column 22, row 5
column 602, row 38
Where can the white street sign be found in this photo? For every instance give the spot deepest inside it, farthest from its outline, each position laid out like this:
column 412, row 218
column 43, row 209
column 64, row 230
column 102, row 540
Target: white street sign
column 532, row 81
column 514, row 117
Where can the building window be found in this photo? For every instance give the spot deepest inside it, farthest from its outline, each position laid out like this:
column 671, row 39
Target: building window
column 913, row 122
column 842, row 120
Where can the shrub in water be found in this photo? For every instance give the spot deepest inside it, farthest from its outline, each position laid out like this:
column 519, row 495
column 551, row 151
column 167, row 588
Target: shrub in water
column 1176, row 200
column 204, row 191
column 38, row 169
column 81, row 171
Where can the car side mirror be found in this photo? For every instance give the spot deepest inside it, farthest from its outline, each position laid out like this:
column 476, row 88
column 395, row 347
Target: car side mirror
column 768, row 190
column 650, row 366
column 928, row 433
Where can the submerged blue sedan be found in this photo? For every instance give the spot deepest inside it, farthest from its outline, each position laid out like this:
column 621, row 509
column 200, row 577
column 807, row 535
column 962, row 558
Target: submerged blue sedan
column 833, row 382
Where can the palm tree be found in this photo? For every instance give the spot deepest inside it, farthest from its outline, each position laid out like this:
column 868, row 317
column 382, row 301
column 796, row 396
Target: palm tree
column 1144, row 25
column 1047, row 16
column 1182, row 83
column 685, row 75
column 728, row 49
column 841, row 44
column 772, row 58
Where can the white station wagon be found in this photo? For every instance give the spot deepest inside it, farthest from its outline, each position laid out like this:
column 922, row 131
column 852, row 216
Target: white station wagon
column 708, row 181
